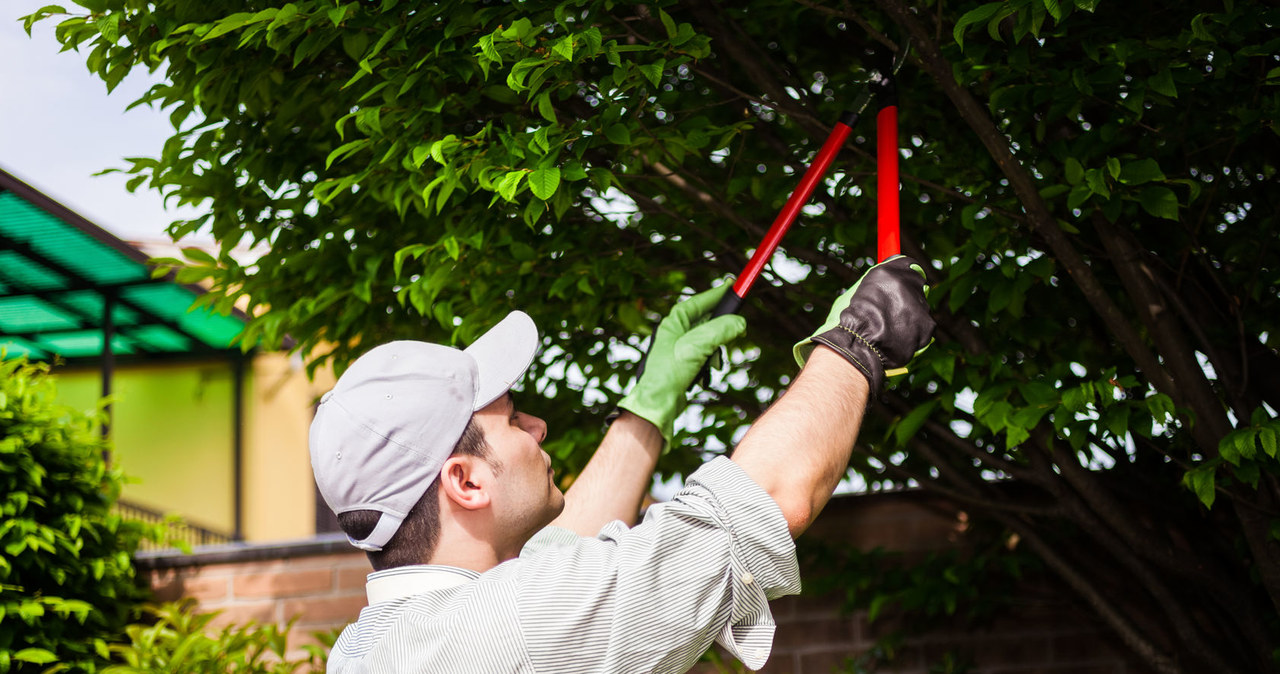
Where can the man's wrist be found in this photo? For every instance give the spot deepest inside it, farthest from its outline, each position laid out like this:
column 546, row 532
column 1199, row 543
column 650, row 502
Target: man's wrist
column 837, row 368
column 642, row 429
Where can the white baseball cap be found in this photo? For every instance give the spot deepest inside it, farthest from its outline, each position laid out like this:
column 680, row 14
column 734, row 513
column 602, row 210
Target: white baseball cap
column 381, row 436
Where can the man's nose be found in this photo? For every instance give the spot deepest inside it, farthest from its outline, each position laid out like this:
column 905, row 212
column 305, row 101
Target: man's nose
column 535, row 426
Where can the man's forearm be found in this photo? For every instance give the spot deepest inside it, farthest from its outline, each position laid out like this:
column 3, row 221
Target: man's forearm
column 799, row 449
column 616, row 479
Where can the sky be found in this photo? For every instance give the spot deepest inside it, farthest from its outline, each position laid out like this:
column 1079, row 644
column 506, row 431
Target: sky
column 58, row 127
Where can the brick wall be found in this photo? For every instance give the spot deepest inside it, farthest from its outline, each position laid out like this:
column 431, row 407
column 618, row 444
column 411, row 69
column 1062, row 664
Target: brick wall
column 1048, row 636
column 322, row 582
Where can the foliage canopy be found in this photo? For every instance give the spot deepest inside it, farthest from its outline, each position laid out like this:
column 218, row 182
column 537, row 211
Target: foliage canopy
column 1092, row 183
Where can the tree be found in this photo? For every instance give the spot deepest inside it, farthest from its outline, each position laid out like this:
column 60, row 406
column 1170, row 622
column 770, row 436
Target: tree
column 1092, row 183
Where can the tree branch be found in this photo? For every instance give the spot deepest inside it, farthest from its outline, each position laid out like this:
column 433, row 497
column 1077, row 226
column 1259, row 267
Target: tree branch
column 1192, row 388
column 1024, row 186
column 994, row 505
column 1112, row 525
column 711, row 18
column 1087, row 589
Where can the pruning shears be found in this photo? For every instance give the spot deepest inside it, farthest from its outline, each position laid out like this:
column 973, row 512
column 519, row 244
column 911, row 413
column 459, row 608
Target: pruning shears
column 882, row 87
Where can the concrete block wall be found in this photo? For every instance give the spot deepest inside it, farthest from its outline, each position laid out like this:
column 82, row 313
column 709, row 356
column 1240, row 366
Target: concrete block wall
column 321, row 582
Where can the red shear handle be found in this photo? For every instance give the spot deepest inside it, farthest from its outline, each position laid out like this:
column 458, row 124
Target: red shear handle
column 799, row 197
column 888, row 243
column 732, row 300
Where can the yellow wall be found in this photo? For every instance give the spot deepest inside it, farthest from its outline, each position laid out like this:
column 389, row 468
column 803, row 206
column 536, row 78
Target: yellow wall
column 171, row 433
column 279, row 490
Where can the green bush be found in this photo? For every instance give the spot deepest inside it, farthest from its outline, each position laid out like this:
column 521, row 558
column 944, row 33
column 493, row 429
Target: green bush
column 67, row 582
column 180, row 641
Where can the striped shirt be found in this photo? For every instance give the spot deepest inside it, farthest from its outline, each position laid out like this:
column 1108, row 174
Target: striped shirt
column 652, row 598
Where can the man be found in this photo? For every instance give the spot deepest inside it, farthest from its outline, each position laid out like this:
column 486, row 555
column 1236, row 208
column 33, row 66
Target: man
column 435, row 472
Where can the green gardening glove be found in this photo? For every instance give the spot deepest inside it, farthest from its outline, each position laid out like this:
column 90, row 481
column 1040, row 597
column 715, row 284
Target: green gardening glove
column 879, row 324
column 680, row 348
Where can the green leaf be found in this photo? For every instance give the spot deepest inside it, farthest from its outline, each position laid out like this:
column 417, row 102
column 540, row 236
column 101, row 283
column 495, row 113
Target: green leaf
column 354, row 44
column 1160, row 202
column 1079, row 194
column 1054, row 9
column 1161, row 408
column 668, row 24
column 37, row 656
column 1199, row 30
column 564, row 47
column 451, row 247
column 344, row 150
column 1116, row 419
column 509, row 184
column 1000, row 298
column 1015, row 435
column 1267, row 437
column 877, row 605
column 1113, row 167
column 1097, row 182
column 1141, row 171
column 488, row 50
column 1201, row 480
column 337, row 14
column 912, row 422
column 1074, row 171
column 618, row 134
column 1230, row 446
column 653, row 71
column 540, row 139
column 420, row 154
column 1246, row 445
column 945, row 367
column 226, row 25
column 543, row 182
column 974, row 16
column 109, row 27
column 1162, row 83
column 545, row 108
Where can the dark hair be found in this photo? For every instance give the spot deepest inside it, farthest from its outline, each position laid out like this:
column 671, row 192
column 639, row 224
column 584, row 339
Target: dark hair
column 415, row 541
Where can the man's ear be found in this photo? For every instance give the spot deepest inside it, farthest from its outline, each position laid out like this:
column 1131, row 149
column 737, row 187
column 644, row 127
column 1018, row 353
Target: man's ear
column 464, row 480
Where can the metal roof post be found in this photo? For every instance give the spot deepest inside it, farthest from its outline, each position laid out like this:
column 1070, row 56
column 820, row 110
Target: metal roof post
column 237, row 443
column 108, row 361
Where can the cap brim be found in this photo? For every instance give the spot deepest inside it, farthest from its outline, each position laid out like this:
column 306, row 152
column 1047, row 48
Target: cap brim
column 502, row 356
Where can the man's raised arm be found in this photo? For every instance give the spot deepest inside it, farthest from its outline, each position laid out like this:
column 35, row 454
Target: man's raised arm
column 616, row 479
column 799, row 449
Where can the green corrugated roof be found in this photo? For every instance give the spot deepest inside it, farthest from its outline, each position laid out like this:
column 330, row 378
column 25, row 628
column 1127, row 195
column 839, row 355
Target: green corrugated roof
column 57, row 271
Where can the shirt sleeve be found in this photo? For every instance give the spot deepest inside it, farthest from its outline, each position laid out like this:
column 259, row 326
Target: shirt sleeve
column 699, row 568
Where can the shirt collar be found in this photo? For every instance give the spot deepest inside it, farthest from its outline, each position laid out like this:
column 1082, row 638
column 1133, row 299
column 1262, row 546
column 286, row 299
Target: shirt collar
column 406, row 581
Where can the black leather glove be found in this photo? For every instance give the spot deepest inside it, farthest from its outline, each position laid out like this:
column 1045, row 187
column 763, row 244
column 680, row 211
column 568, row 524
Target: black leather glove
column 879, row 324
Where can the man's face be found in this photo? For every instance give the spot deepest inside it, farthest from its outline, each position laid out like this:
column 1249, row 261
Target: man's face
column 525, row 497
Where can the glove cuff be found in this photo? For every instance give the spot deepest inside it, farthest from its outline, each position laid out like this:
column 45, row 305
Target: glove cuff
column 858, row 351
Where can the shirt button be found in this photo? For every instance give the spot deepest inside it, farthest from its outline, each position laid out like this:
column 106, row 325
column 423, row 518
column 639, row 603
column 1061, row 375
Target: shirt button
column 748, row 579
